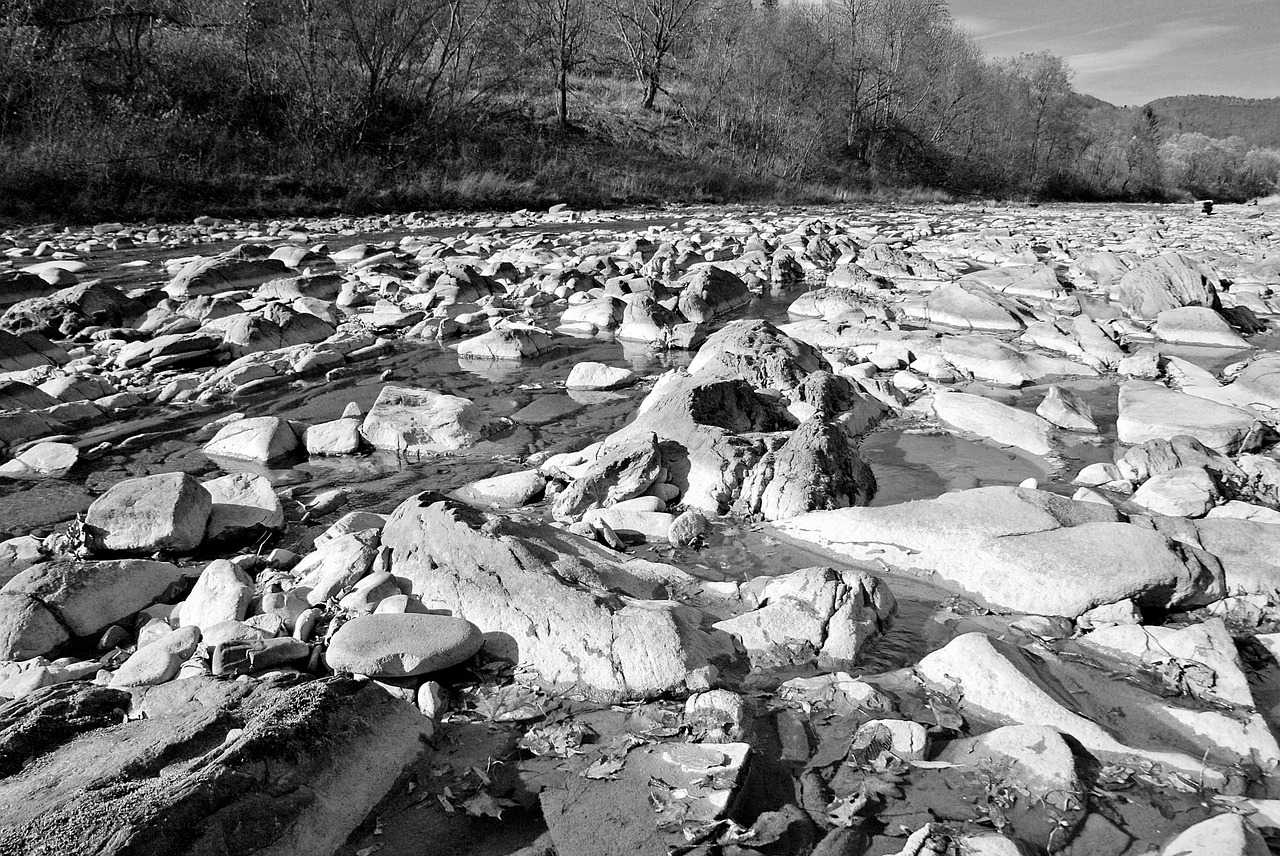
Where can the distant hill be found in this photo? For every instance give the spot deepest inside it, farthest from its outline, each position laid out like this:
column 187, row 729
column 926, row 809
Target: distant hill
column 1257, row 120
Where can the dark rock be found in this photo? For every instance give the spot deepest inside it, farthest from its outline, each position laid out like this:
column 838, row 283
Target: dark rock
column 217, row 768
column 65, row 313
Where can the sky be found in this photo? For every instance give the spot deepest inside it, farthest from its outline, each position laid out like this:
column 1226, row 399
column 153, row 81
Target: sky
column 1134, row 51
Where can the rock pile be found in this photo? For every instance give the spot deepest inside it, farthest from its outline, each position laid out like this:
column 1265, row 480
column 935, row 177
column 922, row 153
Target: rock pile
column 347, row 534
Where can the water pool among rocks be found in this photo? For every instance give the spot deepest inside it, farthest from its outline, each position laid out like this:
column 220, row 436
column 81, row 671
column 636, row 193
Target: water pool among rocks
column 862, row 530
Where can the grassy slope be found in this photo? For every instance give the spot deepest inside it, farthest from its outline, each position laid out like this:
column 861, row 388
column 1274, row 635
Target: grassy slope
column 614, row 154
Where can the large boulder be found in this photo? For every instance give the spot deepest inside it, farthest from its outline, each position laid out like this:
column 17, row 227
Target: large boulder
column 1259, row 383
column 402, row 645
column 412, row 421
column 710, row 291
column 707, row 433
column 28, row 351
column 1151, row 411
column 515, row 342
column 200, row 766
column 241, row 268
column 621, row 470
column 818, row 467
column 259, row 438
column 1168, row 281
column 242, row 503
column 757, row 352
column 19, row 285
column 169, row 511
column 65, row 313
column 1197, row 325
column 550, row 600
column 1114, row 719
column 812, row 615
column 81, row 597
column 1023, row 550
column 222, row 593
column 971, row 307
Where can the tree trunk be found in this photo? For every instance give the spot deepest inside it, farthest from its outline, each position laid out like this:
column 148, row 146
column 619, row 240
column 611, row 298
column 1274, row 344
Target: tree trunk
column 650, row 92
column 562, row 104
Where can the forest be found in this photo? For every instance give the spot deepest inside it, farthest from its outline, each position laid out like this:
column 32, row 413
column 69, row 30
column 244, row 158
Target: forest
column 155, row 108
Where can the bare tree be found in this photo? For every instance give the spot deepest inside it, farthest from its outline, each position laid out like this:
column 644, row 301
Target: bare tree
column 649, row 32
column 559, row 30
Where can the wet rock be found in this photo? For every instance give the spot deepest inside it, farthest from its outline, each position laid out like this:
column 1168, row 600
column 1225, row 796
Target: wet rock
column 1067, row 410
column 1166, row 282
column 396, row 646
column 546, row 410
column 688, row 529
column 508, row 343
column 88, row 785
column 543, row 597
column 157, row 661
column 243, row 503
column 222, row 593
column 598, row 376
column 995, row 421
column 1149, row 411
column 169, row 511
column 1023, row 550
column 817, row 468
column 413, row 421
column 813, row 615
column 259, row 438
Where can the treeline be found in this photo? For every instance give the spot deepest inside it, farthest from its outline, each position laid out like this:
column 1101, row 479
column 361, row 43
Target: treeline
column 163, row 107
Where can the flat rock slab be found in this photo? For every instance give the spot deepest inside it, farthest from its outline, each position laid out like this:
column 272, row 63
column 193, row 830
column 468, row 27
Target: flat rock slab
column 1150, row 411
column 1021, row 550
column 546, row 409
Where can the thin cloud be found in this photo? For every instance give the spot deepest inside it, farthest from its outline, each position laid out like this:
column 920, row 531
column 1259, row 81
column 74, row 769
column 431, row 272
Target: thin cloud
column 1170, row 39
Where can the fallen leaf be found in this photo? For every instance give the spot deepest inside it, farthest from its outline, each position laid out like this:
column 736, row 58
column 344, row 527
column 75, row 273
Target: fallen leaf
column 604, row 768
column 483, row 805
